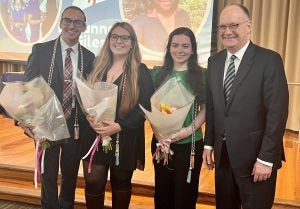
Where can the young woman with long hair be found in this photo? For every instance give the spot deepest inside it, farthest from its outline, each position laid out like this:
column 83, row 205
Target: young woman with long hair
column 119, row 62
column 176, row 183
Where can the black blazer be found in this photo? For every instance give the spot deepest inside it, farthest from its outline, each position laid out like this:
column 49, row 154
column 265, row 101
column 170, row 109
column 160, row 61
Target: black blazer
column 39, row 63
column 253, row 122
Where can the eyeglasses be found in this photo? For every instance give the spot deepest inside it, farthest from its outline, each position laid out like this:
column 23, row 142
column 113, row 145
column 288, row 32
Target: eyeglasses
column 124, row 38
column 232, row 27
column 77, row 23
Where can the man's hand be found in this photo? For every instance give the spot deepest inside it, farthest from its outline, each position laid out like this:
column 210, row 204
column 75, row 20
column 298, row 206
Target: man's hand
column 27, row 129
column 261, row 172
column 207, row 159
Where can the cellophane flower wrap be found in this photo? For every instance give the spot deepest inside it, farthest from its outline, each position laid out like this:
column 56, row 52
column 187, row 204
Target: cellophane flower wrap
column 100, row 101
column 34, row 103
column 170, row 105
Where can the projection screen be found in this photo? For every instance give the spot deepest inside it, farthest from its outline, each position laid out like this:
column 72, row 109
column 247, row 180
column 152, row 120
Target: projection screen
column 26, row 22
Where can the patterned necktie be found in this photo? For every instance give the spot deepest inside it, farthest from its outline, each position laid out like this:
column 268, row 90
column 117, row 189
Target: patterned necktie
column 230, row 74
column 67, row 98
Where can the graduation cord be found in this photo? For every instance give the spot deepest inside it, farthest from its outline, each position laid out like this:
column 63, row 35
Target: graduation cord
column 192, row 155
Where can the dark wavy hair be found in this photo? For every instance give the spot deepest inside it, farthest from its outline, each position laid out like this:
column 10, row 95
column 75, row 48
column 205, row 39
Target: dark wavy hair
column 194, row 76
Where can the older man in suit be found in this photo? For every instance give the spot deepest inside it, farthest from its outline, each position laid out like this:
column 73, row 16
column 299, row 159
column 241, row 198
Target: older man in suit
column 246, row 113
column 53, row 60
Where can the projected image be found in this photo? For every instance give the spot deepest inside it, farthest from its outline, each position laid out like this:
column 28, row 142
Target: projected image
column 28, row 21
column 83, row 4
column 153, row 20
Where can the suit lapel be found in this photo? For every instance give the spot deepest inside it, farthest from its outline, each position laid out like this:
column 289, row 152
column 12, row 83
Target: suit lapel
column 79, row 67
column 220, row 77
column 242, row 72
column 59, row 68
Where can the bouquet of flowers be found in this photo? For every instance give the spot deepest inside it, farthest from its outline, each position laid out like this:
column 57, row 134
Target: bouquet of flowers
column 170, row 105
column 98, row 100
column 35, row 104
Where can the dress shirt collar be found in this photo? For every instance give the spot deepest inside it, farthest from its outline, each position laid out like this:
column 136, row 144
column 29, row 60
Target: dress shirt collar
column 65, row 46
column 239, row 54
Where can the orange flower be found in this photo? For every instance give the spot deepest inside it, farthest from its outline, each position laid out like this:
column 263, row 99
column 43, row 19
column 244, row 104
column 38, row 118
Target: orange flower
column 166, row 108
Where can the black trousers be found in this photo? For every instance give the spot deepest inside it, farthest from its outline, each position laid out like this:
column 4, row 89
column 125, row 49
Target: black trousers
column 171, row 188
column 234, row 191
column 68, row 156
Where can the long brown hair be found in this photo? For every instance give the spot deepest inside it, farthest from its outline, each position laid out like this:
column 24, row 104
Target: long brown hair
column 194, row 76
column 131, row 68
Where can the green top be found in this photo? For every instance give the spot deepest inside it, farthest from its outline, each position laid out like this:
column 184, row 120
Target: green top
column 181, row 77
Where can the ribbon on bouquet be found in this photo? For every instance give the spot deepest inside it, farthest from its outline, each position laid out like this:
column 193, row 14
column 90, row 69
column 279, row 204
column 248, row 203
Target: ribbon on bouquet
column 156, row 154
column 92, row 151
column 39, row 163
column 162, row 152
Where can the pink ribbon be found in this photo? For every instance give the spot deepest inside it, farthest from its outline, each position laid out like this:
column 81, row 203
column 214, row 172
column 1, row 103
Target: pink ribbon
column 37, row 167
column 95, row 147
column 156, row 152
column 39, row 154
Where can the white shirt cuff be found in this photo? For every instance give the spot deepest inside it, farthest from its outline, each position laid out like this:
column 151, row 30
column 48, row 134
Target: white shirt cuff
column 264, row 162
column 208, row 147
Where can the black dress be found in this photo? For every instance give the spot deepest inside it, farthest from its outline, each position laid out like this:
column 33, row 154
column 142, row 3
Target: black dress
column 132, row 135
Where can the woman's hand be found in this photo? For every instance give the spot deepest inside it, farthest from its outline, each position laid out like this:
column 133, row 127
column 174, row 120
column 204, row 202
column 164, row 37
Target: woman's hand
column 109, row 128
column 105, row 128
column 181, row 134
column 162, row 140
column 94, row 124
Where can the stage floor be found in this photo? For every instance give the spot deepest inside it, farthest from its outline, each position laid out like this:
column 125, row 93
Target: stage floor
column 17, row 150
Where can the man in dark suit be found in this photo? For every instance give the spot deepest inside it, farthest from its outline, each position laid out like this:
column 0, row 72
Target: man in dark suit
column 246, row 113
column 48, row 59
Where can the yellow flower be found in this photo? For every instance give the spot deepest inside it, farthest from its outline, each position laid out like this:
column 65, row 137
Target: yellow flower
column 166, row 108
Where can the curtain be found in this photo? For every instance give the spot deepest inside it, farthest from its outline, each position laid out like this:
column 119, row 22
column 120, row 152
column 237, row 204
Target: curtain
column 275, row 25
